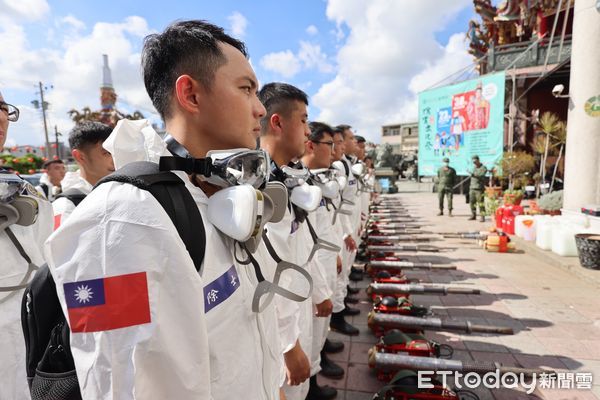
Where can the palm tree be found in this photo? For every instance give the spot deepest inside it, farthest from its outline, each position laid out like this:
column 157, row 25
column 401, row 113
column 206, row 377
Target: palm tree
column 560, row 138
column 549, row 124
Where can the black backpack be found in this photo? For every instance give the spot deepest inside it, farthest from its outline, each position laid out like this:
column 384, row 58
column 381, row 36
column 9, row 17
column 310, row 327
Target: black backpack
column 73, row 195
column 49, row 362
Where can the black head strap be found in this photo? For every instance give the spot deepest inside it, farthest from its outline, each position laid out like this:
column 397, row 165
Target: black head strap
column 182, row 160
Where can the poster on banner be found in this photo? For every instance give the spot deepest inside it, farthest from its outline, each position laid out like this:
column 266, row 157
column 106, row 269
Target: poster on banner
column 460, row 121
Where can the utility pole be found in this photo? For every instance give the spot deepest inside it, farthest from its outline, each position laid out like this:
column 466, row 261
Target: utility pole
column 56, row 135
column 43, row 105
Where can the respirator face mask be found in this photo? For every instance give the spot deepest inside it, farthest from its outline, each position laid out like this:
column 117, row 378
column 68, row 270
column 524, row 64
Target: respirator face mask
column 19, row 204
column 303, row 195
column 326, row 180
column 358, row 169
column 241, row 212
column 247, row 201
column 18, row 201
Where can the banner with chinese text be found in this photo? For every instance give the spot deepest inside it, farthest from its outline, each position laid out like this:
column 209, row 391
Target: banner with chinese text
column 460, row 121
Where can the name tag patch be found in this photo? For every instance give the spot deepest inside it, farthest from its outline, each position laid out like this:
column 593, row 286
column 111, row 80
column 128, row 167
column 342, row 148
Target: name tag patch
column 220, row 289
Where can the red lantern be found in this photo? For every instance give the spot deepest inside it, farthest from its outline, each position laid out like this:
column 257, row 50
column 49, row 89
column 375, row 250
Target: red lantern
column 55, row 158
column 42, row 148
column 53, row 145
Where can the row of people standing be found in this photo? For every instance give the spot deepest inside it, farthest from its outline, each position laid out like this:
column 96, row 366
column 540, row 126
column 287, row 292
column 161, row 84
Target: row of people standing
column 171, row 332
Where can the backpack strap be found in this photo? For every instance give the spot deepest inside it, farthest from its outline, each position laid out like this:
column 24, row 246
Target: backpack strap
column 170, row 191
column 45, row 189
column 73, row 195
column 346, row 168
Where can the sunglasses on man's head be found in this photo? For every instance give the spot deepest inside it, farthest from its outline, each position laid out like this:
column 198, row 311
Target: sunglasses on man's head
column 11, row 111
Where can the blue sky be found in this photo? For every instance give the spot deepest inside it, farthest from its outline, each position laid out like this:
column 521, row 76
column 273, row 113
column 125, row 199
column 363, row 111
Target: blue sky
column 361, row 61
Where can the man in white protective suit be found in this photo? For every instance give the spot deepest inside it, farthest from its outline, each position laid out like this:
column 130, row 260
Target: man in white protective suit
column 365, row 195
column 318, row 156
column 51, row 180
column 95, row 162
column 348, row 220
column 200, row 337
column 284, row 130
column 22, row 236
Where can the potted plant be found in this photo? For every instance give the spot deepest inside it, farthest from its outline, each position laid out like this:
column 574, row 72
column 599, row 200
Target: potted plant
column 551, row 203
column 513, row 196
column 490, row 205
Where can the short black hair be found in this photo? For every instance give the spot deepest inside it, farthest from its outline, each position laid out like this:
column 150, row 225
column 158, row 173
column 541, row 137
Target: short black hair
column 186, row 47
column 278, row 97
column 50, row 162
column 318, row 130
column 88, row 133
column 343, row 128
column 360, row 139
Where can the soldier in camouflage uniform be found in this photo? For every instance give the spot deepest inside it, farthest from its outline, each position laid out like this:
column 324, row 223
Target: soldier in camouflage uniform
column 445, row 185
column 476, row 189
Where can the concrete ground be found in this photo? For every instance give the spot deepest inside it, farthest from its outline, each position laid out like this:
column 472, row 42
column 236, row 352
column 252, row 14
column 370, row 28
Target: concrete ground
column 555, row 312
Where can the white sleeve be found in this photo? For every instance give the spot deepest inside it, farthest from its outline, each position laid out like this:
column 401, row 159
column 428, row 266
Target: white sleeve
column 321, row 290
column 288, row 312
column 347, row 221
column 119, row 232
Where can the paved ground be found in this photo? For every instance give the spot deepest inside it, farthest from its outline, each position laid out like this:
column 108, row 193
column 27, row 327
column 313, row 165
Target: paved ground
column 555, row 313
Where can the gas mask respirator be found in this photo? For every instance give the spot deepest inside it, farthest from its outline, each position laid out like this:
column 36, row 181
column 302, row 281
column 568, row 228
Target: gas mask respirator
column 247, row 202
column 18, row 206
column 18, row 201
column 307, row 197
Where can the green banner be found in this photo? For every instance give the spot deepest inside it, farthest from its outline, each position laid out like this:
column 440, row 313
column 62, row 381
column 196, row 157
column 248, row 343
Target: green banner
column 460, row 121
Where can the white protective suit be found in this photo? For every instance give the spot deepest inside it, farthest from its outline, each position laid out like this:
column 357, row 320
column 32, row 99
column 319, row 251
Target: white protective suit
column 303, row 244
column 13, row 268
column 349, row 228
column 62, row 206
column 203, row 335
column 327, row 260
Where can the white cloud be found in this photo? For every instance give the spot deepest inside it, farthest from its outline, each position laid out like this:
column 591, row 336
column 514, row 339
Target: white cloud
column 312, row 57
column 74, row 71
column 73, row 22
column 284, row 63
column 238, row 23
column 287, row 64
column 28, row 10
column 454, row 57
column 389, row 50
column 312, row 30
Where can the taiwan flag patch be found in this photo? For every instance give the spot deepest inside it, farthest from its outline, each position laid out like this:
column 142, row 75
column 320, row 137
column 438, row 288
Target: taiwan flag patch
column 108, row 303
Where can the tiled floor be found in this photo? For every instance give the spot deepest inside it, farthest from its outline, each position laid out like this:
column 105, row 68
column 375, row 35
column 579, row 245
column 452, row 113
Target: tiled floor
column 555, row 314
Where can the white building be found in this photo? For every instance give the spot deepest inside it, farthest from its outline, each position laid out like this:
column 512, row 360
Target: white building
column 403, row 137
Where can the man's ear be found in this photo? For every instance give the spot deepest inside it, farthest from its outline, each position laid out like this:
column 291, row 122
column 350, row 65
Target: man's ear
column 275, row 123
column 78, row 155
column 187, row 93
